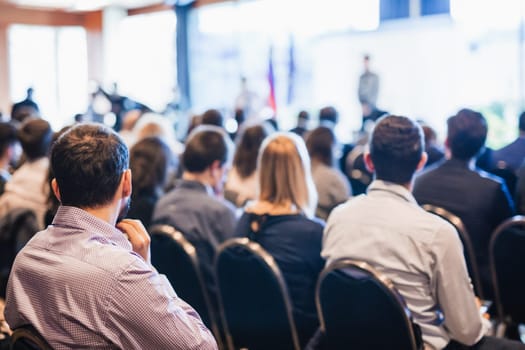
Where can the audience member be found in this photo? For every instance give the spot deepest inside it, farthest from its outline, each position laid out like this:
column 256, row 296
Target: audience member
column 149, row 161
column 512, row 155
column 520, row 190
column 8, row 151
column 328, row 116
column 332, row 186
column 87, row 280
column 420, row 252
column 194, row 206
column 434, row 152
column 281, row 220
column 302, row 123
column 479, row 199
column 212, row 117
column 27, row 188
column 26, row 108
column 242, row 183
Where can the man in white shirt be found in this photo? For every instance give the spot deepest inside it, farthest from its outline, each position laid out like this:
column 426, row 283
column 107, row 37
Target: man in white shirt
column 421, row 253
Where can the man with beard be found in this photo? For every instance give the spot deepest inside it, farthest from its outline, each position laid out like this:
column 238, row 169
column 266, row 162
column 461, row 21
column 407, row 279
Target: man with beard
column 86, row 281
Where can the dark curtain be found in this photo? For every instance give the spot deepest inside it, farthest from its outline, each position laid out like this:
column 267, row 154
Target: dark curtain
column 182, row 12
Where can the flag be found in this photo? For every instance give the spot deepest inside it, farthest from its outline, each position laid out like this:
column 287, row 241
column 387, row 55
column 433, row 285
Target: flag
column 271, row 82
column 291, row 71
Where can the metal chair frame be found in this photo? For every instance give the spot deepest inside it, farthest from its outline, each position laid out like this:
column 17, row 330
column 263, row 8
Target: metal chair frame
column 190, row 250
column 467, row 243
column 342, row 264
column 257, row 250
column 514, row 221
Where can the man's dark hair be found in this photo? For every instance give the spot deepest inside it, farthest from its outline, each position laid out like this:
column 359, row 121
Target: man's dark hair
column 396, row 147
column 320, row 144
column 522, row 121
column 328, row 114
column 22, row 110
column 206, row 144
column 212, row 117
column 35, row 136
column 467, row 132
column 7, row 136
column 88, row 161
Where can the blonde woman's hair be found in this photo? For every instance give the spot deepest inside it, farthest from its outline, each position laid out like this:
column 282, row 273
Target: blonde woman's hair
column 284, row 173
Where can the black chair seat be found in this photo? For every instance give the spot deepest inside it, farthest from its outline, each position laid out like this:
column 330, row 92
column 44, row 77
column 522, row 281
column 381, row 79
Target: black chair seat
column 254, row 299
column 360, row 309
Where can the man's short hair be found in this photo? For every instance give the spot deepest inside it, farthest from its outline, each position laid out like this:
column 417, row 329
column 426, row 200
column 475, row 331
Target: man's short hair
column 206, row 144
column 396, row 147
column 7, row 136
column 467, row 132
column 522, row 121
column 35, row 136
column 88, row 161
column 328, row 114
column 212, row 117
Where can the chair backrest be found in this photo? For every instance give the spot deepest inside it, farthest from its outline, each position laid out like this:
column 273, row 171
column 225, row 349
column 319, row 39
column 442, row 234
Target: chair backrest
column 27, row 338
column 174, row 256
column 16, row 229
column 254, row 298
column 360, row 309
column 360, row 177
column 507, row 263
column 468, row 248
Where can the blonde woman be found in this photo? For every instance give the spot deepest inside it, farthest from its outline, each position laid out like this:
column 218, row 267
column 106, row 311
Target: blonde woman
column 282, row 220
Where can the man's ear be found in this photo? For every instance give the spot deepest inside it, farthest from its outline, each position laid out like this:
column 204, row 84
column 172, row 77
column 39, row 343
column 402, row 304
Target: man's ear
column 422, row 161
column 368, row 162
column 126, row 183
column 54, row 187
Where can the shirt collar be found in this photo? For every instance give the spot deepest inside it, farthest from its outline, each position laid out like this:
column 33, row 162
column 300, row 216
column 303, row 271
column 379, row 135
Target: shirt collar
column 76, row 218
column 194, row 185
column 380, row 186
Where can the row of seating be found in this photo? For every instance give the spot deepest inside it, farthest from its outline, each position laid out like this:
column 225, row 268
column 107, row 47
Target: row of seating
column 256, row 313
column 354, row 302
column 506, row 261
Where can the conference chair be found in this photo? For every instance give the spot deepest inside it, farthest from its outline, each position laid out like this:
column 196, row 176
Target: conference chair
column 175, row 257
column 27, row 338
column 254, row 299
column 359, row 308
column 468, row 248
column 507, row 263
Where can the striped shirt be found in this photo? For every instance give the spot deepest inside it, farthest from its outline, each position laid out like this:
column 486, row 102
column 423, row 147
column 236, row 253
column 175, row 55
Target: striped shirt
column 81, row 286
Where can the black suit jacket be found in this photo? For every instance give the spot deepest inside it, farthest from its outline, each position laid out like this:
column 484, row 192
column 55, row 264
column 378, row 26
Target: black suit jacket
column 479, row 199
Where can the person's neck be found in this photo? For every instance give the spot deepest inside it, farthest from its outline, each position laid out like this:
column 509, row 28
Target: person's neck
column 265, row 207
column 106, row 213
column 202, row 178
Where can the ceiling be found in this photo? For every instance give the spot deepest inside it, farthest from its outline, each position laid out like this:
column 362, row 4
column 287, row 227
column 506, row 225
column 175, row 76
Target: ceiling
column 80, row 5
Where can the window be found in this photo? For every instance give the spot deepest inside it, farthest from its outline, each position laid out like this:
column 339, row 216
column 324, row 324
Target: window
column 52, row 60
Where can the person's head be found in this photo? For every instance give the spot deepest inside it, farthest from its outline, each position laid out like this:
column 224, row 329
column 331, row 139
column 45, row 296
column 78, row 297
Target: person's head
column 396, row 149
column 212, row 117
column 20, row 111
column 8, row 140
column 35, row 136
column 149, row 161
column 90, row 165
column 328, row 116
column 320, row 143
column 248, row 144
column 466, row 134
column 366, row 61
column 522, row 122
column 302, row 119
column 208, row 152
column 284, row 173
